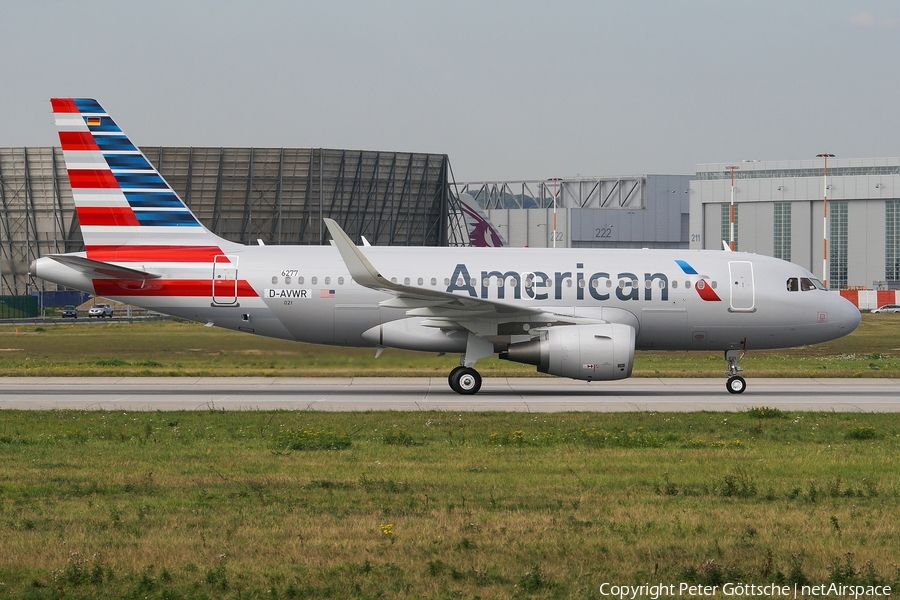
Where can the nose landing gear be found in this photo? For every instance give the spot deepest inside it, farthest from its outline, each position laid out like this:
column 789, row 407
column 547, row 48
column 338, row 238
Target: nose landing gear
column 735, row 383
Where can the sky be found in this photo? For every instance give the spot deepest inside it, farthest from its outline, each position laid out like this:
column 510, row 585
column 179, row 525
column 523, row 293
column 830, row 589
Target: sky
column 508, row 89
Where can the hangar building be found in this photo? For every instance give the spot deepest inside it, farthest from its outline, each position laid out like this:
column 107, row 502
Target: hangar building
column 778, row 212
column 277, row 195
column 640, row 211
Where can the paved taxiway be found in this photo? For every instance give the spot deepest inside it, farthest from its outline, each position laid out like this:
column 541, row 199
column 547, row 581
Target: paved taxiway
column 424, row 393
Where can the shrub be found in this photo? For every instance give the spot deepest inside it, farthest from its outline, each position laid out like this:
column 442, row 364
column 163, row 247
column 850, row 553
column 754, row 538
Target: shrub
column 399, row 438
column 737, row 484
column 863, row 432
column 310, row 439
column 765, row 412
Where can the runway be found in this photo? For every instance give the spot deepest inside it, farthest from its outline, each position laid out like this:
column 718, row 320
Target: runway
column 423, row 393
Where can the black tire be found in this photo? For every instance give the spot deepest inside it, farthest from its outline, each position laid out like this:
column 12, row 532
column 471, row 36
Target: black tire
column 736, row 385
column 465, row 381
column 453, row 376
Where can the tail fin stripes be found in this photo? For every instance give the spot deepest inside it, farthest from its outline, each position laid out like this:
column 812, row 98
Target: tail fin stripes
column 120, row 198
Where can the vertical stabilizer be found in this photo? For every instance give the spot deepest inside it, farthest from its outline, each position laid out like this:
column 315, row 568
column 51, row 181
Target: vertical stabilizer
column 482, row 233
column 120, row 198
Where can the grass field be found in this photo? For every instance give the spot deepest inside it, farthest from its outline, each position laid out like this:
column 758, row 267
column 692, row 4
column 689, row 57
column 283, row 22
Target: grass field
column 440, row 505
column 211, row 504
column 172, row 348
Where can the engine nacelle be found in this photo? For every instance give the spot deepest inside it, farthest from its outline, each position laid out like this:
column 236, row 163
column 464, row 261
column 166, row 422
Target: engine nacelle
column 589, row 352
column 409, row 334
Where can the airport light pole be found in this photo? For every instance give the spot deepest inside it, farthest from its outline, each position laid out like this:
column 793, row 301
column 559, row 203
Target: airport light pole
column 731, row 217
column 825, row 273
column 555, row 180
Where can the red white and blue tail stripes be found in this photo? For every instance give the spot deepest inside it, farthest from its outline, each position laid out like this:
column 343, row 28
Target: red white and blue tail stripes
column 130, row 216
column 119, row 196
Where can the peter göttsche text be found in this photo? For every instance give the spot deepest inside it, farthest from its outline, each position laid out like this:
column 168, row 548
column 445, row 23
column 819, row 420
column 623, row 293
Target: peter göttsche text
column 772, row 590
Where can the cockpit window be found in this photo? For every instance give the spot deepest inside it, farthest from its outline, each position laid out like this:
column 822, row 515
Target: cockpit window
column 804, row 284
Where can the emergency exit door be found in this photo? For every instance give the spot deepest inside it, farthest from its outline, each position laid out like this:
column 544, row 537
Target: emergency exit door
column 743, row 297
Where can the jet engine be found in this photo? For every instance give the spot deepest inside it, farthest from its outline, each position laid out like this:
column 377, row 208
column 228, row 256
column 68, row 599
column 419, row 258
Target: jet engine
column 589, row 352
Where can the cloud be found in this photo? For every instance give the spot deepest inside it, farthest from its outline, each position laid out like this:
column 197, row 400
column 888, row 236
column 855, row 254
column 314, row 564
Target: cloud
column 867, row 19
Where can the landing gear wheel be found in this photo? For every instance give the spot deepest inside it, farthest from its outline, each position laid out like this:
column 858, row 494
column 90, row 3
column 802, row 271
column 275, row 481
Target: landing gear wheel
column 736, row 385
column 451, row 378
column 465, row 381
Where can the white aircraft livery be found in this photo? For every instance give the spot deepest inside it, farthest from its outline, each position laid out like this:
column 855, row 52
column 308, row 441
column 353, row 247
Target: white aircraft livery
column 578, row 313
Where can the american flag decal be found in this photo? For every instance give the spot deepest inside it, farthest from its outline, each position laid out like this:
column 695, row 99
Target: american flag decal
column 326, row 293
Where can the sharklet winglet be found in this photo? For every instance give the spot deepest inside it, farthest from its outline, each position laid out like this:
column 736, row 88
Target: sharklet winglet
column 359, row 266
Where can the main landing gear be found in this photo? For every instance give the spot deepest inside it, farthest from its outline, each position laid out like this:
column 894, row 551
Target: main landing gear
column 735, row 383
column 464, row 380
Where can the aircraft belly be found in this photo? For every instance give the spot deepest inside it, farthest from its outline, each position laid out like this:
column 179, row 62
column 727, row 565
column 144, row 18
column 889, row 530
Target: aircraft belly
column 311, row 322
column 754, row 337
column 351, row 320
column 663, row 329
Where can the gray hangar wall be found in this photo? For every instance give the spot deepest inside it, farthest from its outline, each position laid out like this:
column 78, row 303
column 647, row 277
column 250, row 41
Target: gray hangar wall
column 277, row 195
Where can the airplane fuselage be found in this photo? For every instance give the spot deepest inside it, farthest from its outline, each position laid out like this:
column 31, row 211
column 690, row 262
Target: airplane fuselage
column 306, row 294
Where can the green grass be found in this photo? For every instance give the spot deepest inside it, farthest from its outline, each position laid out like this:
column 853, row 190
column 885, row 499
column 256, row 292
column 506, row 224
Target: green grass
column 171, row 348
column 431, row 505
column 215, row 504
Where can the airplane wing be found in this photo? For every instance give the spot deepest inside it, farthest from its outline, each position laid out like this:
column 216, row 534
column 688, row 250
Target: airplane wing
column 101, row 270
column 442, row 309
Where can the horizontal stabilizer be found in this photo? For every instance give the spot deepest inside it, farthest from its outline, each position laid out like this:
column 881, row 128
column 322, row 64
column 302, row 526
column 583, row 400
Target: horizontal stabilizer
column 97, row 269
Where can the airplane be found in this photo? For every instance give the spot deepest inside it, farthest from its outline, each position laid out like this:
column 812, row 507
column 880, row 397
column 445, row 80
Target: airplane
column 579, row 313
column 481, row 232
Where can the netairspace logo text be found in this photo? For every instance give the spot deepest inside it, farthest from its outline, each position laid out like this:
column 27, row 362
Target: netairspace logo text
column 737, row 590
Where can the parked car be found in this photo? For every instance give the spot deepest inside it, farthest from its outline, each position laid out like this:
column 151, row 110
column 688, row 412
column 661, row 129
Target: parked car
column 100, row 311
column 69, row 310
column 887, row 308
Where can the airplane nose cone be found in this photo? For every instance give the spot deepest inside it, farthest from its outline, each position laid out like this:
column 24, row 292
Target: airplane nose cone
column 849, row 315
